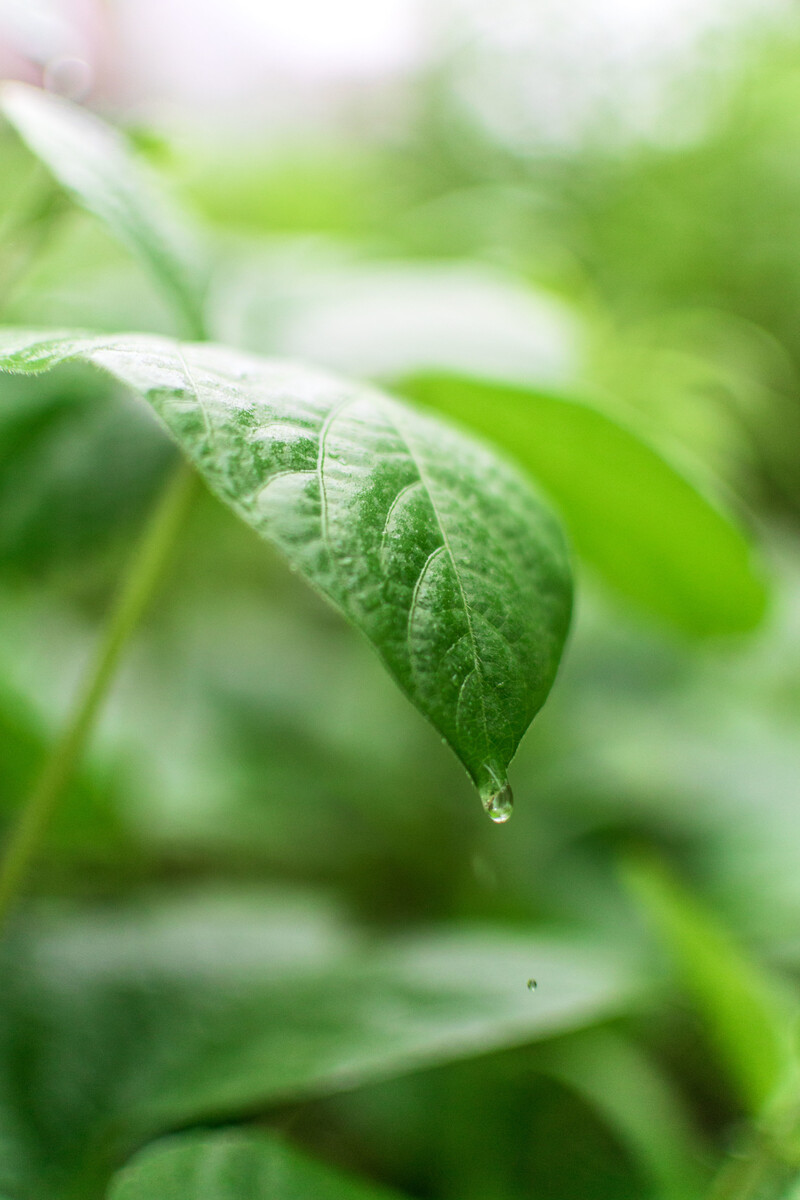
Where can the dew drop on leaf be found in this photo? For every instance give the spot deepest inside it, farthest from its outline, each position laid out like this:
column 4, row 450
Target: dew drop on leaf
column 532, row 985
column 500, row 804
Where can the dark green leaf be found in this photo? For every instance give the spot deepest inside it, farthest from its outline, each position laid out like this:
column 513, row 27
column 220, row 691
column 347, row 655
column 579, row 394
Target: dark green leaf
column 97, row 167
column 644, row 527
column 427, row 541
column 124, row 1023
column 234, row 1166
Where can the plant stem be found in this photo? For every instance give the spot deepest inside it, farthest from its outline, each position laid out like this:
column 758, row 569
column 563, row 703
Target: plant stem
column 143, row 574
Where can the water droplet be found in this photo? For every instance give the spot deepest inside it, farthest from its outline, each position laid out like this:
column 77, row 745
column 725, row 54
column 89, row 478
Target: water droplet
column 532, row 985
column 500, row 804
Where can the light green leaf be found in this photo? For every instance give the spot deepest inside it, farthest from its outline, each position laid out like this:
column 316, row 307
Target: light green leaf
column 643, row 526
column 432, row 545
column 235, row 1166
column 620, row 1080
column 751, row 1017
column 94, row 163
column 319, row 302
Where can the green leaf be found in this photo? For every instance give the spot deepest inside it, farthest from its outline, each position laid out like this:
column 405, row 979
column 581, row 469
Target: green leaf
column 432, row 545
column 751, row 1017
column 437, row 997
column 121, row 1025
column 319, row 302
column 619, row 1080
column 94, row 163
column 640, row 523
column 232, row 1165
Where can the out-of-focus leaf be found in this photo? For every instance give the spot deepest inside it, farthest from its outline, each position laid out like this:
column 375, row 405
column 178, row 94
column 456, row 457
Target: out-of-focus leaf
column 234, row 1166
column 640, row 523
column 76, row 467
column 751, row 1018
column 97, row 167
column 435, row 548
column 388, row 320
column 619, row 1080
column 124, row 1023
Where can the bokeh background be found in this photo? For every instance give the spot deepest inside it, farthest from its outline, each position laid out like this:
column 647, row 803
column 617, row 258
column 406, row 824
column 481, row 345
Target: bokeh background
column 610, row 195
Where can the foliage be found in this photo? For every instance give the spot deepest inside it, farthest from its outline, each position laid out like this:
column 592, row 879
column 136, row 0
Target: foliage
column 363, row 1026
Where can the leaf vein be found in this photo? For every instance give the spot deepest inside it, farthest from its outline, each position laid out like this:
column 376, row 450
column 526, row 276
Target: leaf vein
column 398, row 498
column 448, row 549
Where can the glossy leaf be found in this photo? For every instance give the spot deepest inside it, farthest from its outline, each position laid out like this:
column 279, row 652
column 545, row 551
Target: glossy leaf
column 632, row 516
column 426, row 540
column 235, row 1166
column 94, row 163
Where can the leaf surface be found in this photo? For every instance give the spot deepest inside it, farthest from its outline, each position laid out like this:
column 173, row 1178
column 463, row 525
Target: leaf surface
column 235, row 1166
column 121, row 1025
column 94, row 163
column 432, row 545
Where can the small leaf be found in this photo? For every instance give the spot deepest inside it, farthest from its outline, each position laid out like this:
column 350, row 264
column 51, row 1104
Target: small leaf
column 426, row 540
column 94, row 163
column 230, row 1165
column 644, row 527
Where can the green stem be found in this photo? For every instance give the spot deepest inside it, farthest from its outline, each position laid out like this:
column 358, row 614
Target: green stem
column 138, row 585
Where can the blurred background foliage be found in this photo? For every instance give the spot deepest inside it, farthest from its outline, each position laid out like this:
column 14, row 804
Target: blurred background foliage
column 254, row 757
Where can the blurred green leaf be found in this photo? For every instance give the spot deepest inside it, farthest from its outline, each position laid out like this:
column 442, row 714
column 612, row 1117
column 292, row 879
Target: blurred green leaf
column 638, row 521
column 123, row 1023
column 620, row 1081
column 234, row 1166
column 97, row 167
column 76, row 468
column 432, row 546
column 751, row 1018
column 318, row 301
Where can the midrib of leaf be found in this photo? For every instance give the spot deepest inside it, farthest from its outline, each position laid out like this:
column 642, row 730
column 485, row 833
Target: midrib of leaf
column 423, row 480
column 195, row 390
column 429, row 491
